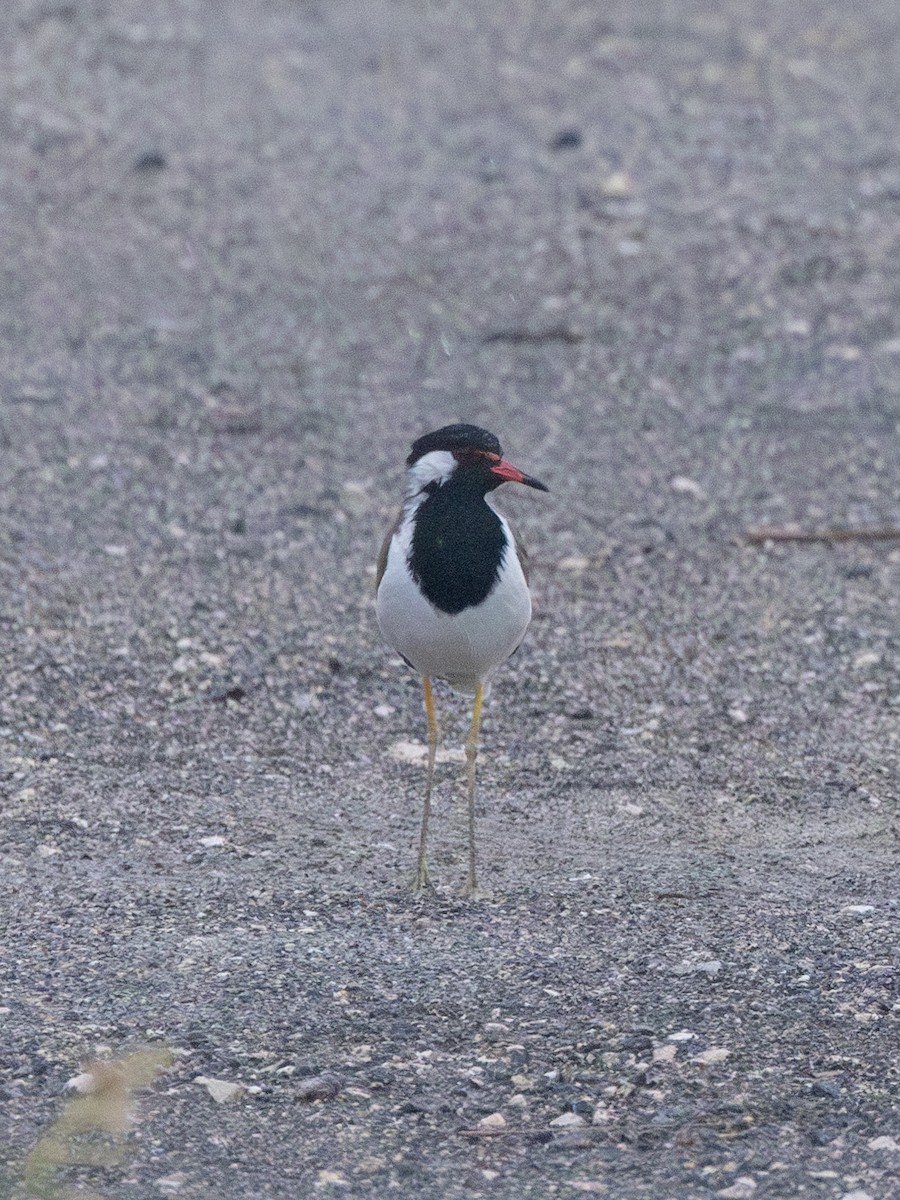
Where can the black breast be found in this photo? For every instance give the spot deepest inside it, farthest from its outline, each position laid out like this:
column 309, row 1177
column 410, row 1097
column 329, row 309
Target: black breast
column 457, row 548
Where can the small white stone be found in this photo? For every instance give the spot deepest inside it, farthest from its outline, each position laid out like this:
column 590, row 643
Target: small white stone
column 742, row 1189
column 664, row 1054
column 716, row 1054
column 709, row 966
column 683, row 1035
column 884, row 1143
column 797, row 327
column 417, row 753
column 618, row 184
column 222, row 1090
column 495, row 1120
column 331, row 1179
column 169, row 1185
column 683, row 486
column 84, row 1084
column 845, row 353
column 568, row 1120
column 574, row 562
column 214, row 839
column 857, row 1194
column 384, row 711
column 866, row 658
column 857, row 910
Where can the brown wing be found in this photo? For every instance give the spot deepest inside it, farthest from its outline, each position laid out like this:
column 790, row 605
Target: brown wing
column 383, row 552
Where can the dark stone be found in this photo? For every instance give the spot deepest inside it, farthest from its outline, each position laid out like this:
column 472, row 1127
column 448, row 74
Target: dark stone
column 150, row 160
column 826, row 1088
column 318, row 1087
column 567, row 139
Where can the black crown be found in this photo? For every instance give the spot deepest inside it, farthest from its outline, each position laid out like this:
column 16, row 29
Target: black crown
column 454, row 438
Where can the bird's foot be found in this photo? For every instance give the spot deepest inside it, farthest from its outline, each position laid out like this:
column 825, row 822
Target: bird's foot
column 423, row 880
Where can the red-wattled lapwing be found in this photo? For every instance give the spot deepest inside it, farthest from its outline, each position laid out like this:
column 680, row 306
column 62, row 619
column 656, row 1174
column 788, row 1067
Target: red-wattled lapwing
column 452, row 592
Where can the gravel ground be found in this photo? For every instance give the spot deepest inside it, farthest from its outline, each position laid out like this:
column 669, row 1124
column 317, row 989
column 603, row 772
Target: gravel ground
column 248, row 252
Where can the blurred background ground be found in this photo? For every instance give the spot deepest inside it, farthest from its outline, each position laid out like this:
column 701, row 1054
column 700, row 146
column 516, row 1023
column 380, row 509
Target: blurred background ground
column 248, row 252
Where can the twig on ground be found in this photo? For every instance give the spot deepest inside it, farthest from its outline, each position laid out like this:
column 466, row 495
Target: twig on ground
column 756, row 536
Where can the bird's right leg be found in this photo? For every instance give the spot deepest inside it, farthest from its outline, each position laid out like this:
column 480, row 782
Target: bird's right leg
column 422, row 880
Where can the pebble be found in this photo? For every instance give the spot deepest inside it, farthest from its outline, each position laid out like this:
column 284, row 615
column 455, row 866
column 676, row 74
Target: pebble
column 857, row 910
column 716, row 1054
column 618, row 184
column 866, row 658
column 843, row 352
column 568, row 1120
column 332, row 1178
column 417, row 752
column 884, row 1143
column 574, row 562
column 825, row 1087
column 683, row 486
column 683, row 1035
column 742, row 1189
column 213, row 840
column 222, row 1090
column 493, row 1121
column 797, row 327
column 170, row 1184
column 84, row 1084
column 665, row 1054
column 567, row 139
column 857, row 1194
column 318, row 1087
column 710, row 967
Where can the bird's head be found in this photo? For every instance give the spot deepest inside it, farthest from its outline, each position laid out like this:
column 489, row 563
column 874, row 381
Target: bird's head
column 466, row 455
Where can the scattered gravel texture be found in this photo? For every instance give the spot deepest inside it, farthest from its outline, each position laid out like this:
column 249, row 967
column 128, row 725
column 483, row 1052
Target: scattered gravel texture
column 248, row 252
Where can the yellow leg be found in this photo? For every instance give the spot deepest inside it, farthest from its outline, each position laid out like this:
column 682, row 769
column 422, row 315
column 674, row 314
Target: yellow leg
column 422, row 880
column 471, row 755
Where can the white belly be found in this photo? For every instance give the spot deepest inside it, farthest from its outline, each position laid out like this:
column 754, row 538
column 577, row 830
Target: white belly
column 463, row 648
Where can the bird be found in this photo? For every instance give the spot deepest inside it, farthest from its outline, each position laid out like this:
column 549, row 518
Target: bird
column 452, row 592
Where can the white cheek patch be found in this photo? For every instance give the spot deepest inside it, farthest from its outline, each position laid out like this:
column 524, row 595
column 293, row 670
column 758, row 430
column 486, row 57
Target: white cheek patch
column 435, row 467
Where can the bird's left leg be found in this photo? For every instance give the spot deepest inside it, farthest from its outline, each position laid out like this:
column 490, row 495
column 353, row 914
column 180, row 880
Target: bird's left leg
column 422, row 880
column 471, row 755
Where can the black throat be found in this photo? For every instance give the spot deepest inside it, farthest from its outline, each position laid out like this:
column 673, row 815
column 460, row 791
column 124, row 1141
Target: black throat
column 458, row 545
